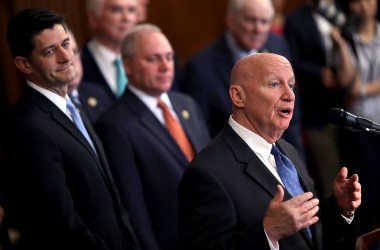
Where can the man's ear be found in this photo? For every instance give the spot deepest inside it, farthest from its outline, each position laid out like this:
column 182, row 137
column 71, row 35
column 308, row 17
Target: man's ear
column 127, row 64
column 237, row 95
column 23, row 65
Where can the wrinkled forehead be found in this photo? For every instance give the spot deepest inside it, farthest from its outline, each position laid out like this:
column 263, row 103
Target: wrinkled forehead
column 269, row 66
column 280, row 67
column 275, row 63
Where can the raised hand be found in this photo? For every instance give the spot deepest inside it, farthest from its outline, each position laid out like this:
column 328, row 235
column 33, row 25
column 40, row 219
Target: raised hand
column 284, row 218
column 347, row 192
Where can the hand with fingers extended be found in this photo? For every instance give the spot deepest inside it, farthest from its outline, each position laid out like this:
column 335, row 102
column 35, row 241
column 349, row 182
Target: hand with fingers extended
column 347, row 192
column 284, row 218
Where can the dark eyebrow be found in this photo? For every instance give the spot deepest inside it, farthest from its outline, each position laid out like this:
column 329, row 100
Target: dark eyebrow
column 53, row 45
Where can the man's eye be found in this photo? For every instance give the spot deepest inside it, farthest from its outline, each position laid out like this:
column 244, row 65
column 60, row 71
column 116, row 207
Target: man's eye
column 274, row 84
column 152, row 59
column 66, row 45
column 48, row 52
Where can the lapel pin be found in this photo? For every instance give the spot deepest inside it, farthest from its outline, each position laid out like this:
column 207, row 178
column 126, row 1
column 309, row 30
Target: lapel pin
column 185, row 114
column 92, row 102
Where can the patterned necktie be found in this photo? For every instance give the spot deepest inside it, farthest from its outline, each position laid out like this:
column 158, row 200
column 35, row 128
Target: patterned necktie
column 121, row 78
column 288, row 175
column 177, row 132
column 78, row 121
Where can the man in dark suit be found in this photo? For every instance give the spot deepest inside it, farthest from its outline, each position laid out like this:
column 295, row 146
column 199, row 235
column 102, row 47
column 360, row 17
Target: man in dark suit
column 234, row 194
column 206, row 75
column 146, row 160
column 58, row 187
column 109, row 21
column 314, row 56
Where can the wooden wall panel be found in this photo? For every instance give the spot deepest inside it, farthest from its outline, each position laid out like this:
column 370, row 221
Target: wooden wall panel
column 189, row 24
column 72, row 10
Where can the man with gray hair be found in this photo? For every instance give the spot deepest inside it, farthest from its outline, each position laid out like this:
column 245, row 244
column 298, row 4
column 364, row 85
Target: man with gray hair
column 206, row 75
column 109, row 21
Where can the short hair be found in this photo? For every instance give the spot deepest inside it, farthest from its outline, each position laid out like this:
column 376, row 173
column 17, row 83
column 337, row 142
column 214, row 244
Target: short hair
column 94, row 5
column 128, row 43
column 26, row 25
column 235, row 6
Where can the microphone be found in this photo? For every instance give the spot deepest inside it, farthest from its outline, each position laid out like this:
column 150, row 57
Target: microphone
column 343, row 118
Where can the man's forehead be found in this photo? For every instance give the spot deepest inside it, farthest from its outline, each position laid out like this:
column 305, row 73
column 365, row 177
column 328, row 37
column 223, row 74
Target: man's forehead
column 53, row 35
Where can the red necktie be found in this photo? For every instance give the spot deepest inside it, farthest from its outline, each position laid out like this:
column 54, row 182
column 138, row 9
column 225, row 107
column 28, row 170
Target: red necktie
column 177, row 132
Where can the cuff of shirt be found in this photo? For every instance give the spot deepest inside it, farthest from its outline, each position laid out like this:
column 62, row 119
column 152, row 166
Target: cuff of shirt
column 350, row 218
column 272, row 245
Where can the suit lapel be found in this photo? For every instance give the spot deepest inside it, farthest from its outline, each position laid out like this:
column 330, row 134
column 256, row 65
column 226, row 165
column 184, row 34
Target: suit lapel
column 58, row 116
column 256, row 169
column 187, row 119
column 153, row 125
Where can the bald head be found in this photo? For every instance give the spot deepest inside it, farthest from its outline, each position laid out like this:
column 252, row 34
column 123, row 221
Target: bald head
column 261, row 91
column 250, row 68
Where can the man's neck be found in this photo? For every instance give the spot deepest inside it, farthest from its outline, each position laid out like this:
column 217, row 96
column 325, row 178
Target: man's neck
column 111, row 45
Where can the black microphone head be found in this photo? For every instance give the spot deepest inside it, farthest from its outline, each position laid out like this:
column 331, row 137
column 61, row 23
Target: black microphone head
column 340, row 117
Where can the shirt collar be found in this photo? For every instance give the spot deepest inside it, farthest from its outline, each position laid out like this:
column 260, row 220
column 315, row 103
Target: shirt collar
column 102, row 51
column 58, row 100
column 148, row 100
column 257, row 143
column 237, row 52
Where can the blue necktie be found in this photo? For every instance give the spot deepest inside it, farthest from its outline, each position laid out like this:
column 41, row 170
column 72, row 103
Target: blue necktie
column 78, row 121
column 121, row 78
column 75, row 99
column 288, row 174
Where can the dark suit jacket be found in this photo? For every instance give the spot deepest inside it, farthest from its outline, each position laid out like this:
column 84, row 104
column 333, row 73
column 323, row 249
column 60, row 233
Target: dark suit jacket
column 95, row 86
column 92, row 101
column 309, row 57
column 225, row 193
column 61, row 194
column 206, row 77
column 147, row 164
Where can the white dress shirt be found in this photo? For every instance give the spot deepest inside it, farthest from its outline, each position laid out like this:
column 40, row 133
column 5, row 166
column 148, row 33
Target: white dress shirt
column 104, row 58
